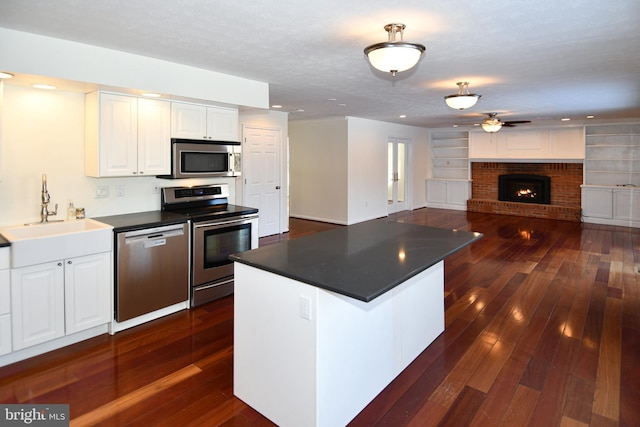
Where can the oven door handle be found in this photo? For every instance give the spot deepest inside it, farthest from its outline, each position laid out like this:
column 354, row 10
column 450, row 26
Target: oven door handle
column 241, row 220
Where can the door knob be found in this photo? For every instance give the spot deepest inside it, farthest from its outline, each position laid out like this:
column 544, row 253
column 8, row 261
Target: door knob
column 277, row 187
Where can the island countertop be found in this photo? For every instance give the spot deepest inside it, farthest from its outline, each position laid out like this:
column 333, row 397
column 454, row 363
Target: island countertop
column 361, row 261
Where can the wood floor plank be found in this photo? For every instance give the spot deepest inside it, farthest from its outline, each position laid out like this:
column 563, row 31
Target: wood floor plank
column 607, row 395
column 521, row 407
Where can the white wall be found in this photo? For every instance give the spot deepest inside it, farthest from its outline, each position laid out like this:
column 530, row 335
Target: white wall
column 318, row 170
column 349, row 157
column 43, row 132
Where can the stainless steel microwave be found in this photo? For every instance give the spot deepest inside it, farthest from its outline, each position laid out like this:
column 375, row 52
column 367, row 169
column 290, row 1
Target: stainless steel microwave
column 202, row 159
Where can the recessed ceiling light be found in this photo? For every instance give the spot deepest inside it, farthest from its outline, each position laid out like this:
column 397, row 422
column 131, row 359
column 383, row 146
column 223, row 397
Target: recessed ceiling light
column 455, row 126
column 342, row 105
column 331, row 99
column 43, row 86
column 403, row 116
column 5, row 75
column 566, row 119
column 590, row 117
column 151, row 94
column 276, row 106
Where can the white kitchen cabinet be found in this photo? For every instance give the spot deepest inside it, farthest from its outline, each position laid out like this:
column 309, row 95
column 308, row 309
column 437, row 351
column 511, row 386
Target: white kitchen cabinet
column 5, row 302
column 557, row 144
column 37, row 304
column 59, row 298
column 126, row 136
column 448, row 194
column 193, row 121
column 86, row 292
column 154, row 137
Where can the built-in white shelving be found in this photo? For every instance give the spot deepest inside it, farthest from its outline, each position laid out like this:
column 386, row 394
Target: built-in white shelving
column 612, row 155
column 450, row 155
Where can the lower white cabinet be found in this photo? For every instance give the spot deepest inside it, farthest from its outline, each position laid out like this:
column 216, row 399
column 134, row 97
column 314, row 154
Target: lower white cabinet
column 597, row 202
column 87, row 292
column 59, row 298
column 448, row 194
column 5, row 302
column 611, row 205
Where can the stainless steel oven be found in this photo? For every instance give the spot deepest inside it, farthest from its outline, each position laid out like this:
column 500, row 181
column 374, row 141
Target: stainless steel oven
column 218, row 229
column 213, row 242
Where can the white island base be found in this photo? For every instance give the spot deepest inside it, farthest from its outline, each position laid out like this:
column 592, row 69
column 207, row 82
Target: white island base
column 305, row 356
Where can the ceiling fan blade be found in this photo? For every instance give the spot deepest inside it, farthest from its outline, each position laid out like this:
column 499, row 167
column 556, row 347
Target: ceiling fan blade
column 515, row 122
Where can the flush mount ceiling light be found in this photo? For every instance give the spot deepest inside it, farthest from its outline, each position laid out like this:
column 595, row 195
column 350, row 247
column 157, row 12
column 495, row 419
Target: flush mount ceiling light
column 394, row 56
column 5, row 75
column 491, row 124
column 463, row 99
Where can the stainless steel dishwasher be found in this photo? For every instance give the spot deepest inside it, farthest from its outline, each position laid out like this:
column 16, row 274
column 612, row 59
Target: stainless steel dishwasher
column 152, row 270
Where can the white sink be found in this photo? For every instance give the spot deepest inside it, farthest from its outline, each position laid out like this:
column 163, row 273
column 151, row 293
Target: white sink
column 38, row 243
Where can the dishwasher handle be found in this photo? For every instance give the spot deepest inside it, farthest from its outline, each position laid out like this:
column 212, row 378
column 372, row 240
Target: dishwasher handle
column 155, row 236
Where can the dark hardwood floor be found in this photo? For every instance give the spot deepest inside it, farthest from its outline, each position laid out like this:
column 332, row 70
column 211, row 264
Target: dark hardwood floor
column 542, row 329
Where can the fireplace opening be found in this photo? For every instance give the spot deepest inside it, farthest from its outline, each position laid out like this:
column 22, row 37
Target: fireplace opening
column 524, row 188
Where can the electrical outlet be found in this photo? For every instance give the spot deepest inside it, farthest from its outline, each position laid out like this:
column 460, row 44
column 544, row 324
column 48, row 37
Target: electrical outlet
column 120, row 190
column 102, row 191
column 155, row 188
column 305, row 308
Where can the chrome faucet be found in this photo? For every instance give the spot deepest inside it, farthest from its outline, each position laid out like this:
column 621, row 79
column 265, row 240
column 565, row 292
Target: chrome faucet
column 44, row 213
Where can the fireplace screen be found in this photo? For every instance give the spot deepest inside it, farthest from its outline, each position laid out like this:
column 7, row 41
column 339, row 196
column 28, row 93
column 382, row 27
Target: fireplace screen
column 524, row 188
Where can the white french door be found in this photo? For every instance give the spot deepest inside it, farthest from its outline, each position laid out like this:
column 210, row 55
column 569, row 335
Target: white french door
column 397, row 174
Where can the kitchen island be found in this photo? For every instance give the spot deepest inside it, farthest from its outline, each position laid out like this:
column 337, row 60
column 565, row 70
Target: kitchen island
column 323, row 323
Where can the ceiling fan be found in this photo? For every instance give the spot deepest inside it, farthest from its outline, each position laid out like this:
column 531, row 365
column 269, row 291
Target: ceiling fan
column 493, row 123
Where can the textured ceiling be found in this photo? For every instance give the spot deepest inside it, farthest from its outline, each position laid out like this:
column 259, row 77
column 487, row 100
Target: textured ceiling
column 539, row 60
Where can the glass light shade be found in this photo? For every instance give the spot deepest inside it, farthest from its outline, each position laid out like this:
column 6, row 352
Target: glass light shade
column 5, row 75
column 394, row 57
column 460, row 102
column 492, row 126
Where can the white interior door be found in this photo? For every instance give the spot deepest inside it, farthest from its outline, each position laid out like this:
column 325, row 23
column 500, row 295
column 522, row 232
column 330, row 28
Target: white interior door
column 397, row 171
column 261, row 158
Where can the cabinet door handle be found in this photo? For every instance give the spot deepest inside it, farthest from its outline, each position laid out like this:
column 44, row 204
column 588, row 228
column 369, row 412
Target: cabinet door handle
column 69, row 262
column 59, row 264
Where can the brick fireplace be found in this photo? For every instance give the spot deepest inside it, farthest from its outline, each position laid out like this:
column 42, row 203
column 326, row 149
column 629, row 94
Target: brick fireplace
column 566, row 179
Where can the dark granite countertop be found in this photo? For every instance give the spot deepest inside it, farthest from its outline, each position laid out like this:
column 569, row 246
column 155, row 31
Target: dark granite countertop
column 362, row 261
column 139, row 220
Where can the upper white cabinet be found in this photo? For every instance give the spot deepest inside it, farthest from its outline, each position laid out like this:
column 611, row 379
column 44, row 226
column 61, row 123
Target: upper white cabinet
column 535, row 144
column 126, row 136
column 192, row 121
